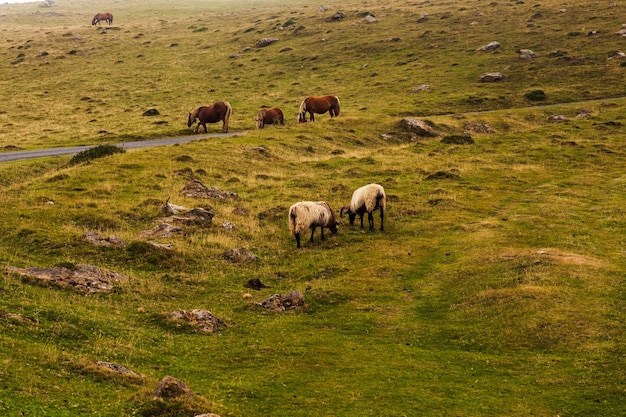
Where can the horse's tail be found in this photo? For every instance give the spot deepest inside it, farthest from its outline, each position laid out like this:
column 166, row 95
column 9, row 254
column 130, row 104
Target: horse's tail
column 337, row 107
column 229, row 112
column 302, row 112
column 110, row 19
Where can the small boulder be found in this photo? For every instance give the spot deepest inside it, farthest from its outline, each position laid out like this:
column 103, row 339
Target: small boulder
column 261, row 43
column 491, row 46
column 289, row 301
column 491, row 77
column 170, row 387
column 526, row 54
column 418, row 127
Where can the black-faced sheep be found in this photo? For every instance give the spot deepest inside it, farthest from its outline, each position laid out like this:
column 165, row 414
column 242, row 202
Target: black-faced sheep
column 306, row 215
column 367, row 199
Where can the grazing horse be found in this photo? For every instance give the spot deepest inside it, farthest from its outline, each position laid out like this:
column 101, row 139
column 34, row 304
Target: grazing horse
column 107, row 17
column 220, row 110
column 319, row 105
column 269, row 116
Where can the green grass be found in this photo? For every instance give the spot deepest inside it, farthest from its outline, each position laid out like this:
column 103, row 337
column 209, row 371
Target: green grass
column 496, row 288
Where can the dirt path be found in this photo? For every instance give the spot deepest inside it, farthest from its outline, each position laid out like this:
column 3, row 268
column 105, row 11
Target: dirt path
column 40, row 153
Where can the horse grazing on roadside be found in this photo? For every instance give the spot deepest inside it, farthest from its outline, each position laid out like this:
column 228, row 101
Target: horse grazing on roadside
column 318, row 105
column 269, row 116
column 107, row 17
column 220, row 110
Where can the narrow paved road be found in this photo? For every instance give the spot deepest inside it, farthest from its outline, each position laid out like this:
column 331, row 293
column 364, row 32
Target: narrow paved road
column 40, row 153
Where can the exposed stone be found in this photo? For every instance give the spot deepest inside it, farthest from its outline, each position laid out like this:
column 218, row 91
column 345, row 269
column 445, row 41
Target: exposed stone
column 239, row 255
column 163, row 229
column 84, row 278
column 289, row 301
column 97, row 239
column 490, row 46
column 475, row 127
column 420, row 89
column 196, row 189
column 527, row 54
column 170, row 387
column 338, row 16
column 491, row 77
column 557, row 118
column 370, row 19
column 266, row 41
column 203, row 320
column 119, row 370
column 418, row 127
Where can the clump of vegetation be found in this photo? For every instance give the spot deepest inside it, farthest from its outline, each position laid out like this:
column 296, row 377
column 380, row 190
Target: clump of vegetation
column 95, row 152
column 536, row 95
column 458, row 139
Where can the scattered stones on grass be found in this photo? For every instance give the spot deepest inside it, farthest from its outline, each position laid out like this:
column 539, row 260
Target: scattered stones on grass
column 337, row 17
column 557, row 118
column 83, row 278
column 476, row 127
column 420, row 89
column 162, row 230
column 289, row 301
column 115, row 369
column 202, row 320
column 195, row 189
column 97, row 239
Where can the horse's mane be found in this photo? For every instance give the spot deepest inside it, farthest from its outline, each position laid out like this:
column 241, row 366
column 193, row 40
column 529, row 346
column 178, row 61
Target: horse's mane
column 194, row 113
column 302, row 107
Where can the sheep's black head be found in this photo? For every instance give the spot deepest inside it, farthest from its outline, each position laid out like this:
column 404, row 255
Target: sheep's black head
column 351, row 215
column 333, row 228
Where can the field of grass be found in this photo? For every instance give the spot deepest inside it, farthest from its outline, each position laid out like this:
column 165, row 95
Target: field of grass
column 496, row 289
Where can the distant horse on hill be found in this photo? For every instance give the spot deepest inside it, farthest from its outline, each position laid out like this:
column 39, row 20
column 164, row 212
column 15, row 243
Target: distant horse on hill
column 319, row 105
column 107, row 17
column 269, row 116
column 220, row 110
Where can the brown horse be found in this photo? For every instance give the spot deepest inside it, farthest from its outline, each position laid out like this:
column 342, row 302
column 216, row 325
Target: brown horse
column 220, row 110
column 107, row 17
column 269, row 116
column 319, row 105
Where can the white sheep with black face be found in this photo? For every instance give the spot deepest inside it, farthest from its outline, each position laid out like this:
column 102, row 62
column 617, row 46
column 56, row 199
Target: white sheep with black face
column 306, row 215
column 367, row 199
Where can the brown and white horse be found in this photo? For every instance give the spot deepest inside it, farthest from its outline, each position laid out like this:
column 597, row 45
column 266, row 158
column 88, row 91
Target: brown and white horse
column 220, row 110
column 107, row 17
column 269, row 116
column 319, row 105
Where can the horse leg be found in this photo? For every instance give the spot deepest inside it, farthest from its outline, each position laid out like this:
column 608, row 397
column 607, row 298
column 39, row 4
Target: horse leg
column 225, row 126
column 312, row 116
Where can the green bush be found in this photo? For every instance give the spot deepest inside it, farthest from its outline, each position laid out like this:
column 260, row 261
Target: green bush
column 96, row 152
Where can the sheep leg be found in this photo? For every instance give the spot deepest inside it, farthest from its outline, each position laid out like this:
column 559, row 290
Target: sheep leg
column 312, row 232
column 361, row 221
column 297, row 239
column 323, row 237
column 370, row 220
column 382, row 217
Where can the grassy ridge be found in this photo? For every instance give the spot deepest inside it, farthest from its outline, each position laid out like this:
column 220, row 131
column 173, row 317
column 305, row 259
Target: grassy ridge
column 496, row 289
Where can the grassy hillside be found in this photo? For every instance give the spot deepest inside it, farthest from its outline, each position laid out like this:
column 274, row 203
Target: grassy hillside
column 497, row 287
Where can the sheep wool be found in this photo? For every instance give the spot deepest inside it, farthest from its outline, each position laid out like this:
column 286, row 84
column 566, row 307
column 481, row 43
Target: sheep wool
column 305, row 215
